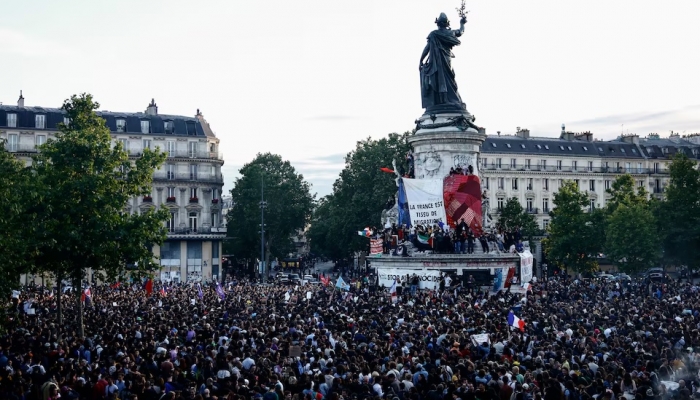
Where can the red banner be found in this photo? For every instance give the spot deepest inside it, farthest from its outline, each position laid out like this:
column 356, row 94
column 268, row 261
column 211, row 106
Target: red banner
column 462, row 195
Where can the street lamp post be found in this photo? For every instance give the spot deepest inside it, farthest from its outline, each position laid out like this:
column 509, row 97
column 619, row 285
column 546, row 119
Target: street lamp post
column 263, row 204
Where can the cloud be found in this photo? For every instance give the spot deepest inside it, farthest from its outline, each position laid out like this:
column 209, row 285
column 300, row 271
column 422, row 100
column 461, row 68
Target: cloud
column 638, row 117
column 17, row 43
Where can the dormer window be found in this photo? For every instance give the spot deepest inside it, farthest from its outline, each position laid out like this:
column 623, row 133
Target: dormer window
column 522, row 145
column 493, row 144
column 66, row 121
column 585, row 148
column 11, row 120
column 40, row 121
column 561, row 148
column 539, row 147
column 622, row 150
column 145, row 126
column 508, row 145
column 546, row 147
column 121, row 125
column 569, row 147
column 168, row 127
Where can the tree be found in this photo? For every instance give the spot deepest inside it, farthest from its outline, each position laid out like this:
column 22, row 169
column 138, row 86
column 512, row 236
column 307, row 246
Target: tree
column 85, row 184
column 514, row 216
column 679, row 214
column 575, row 237
column 631, row 236
column 359, row 196
column 16, row 222
column 288, row 210
column 622, row 191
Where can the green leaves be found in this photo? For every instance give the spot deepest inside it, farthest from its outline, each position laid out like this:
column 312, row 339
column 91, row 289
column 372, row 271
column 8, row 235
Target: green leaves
column 358, row 197
column 288, row 210
column 86, row 184
column 575, row 236
column 514, row 216
column 679, row 214
column 631, row 236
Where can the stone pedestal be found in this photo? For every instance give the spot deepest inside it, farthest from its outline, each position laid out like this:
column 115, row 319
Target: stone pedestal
column 444, row 141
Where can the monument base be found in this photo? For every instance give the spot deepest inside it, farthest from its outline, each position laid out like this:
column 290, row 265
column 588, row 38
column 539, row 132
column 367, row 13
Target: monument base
column 484, row 268
column 444, row 141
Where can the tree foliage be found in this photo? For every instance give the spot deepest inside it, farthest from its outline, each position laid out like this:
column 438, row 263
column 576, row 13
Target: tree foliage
column 679, row 214
column 514, row 216
column 85, row 184
column 632, row 240
column 289, row 206
column 358, row 198
column 19, row 197
column 575, row 236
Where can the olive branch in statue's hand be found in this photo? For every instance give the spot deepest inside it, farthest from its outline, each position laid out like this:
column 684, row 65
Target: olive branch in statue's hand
column 462, row 11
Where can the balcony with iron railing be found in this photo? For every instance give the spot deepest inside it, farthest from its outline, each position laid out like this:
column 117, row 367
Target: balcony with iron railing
column 585, row 169
column 20, row 148
column 202, row 155
column 186, row 176
column 532, row 210
column 199, row 230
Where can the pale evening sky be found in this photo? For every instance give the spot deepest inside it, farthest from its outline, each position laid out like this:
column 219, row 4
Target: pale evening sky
column 307, row 79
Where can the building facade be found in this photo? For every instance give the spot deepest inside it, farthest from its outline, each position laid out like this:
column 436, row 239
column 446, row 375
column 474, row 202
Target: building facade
column 532, row 169
column 188, row 184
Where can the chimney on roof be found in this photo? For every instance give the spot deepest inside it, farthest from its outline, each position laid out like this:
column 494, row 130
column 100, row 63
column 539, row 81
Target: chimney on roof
column 523, row 133
column 198, row 113
column 631, row 139
column 152, row 108
column 20, row 101
column 584, row 136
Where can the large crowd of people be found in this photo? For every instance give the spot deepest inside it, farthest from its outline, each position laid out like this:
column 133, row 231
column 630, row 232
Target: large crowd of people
column 442, row 240
column 581, row 340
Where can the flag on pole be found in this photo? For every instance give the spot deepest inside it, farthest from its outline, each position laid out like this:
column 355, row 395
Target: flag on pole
column 516, row 322
column 220, row 291
column 325, row 280
column 392, row 291
column 340, row 284
column 527, row 286
column 163, row 291
column 149, row 287
column 200, row 294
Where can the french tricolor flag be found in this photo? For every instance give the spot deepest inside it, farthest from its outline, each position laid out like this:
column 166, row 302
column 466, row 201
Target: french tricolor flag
column 516, row 322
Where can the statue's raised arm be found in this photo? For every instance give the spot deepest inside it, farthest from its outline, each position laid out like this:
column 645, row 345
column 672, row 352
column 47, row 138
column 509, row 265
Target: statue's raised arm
column 438, row 84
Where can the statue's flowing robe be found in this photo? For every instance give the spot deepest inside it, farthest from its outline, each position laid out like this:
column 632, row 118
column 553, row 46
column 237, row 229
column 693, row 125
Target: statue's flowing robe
column 438, row 84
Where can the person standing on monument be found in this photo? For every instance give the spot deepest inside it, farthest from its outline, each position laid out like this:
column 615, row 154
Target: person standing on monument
column 438, row 84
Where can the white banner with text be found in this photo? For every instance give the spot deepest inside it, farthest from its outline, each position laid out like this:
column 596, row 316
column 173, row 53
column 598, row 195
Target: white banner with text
column 425, row 201
column 427, row 279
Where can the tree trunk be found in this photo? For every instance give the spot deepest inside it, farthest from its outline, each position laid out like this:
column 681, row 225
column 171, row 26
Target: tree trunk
column 81, row 323
column 267, row 269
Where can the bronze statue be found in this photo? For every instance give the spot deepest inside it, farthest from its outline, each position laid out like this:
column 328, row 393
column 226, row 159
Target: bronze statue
column 438, row 85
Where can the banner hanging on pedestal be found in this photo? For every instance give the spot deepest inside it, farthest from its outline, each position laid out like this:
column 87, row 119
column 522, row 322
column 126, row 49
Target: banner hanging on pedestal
column 425, row 201
column 462, row 194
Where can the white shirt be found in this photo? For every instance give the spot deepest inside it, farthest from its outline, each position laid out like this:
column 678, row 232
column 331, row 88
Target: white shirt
column 248, row 363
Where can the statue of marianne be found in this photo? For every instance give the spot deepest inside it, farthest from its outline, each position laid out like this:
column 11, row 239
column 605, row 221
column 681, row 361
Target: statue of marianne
column 438, row 84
